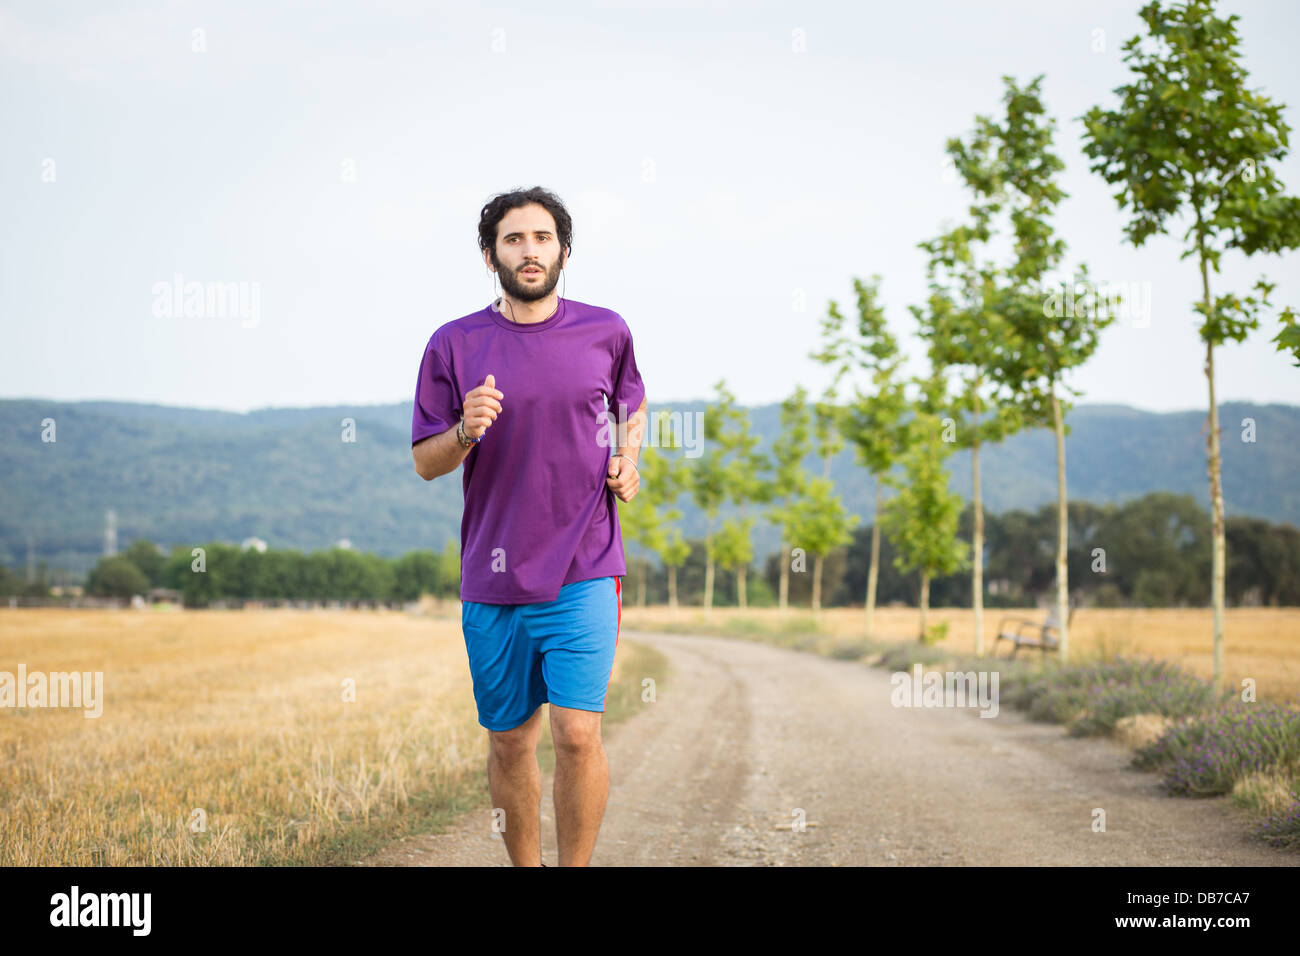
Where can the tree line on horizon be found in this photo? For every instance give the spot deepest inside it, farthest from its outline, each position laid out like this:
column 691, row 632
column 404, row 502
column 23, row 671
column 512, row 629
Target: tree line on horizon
column 1155, row 547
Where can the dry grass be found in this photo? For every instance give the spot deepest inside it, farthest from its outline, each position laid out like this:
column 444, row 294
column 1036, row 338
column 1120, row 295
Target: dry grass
column 1267, row 792
column 1140, row 730
column 238, row 716
column 1259, row 643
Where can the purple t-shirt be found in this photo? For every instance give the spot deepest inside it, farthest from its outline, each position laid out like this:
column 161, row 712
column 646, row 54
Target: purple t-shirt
column 538, row 514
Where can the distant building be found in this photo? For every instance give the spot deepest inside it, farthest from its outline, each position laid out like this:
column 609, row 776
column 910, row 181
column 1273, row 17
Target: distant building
column 256, row 543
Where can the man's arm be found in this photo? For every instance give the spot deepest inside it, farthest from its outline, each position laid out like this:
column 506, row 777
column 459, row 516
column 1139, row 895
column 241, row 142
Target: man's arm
column 441, row 453
column 635, row 428
column 438, row 454
column 625, row 479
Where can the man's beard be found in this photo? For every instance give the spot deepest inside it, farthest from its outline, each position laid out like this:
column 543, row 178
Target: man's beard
column 529, row 290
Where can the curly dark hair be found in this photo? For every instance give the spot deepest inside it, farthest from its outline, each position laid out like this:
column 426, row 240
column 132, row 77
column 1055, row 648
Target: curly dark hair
column 499, row 205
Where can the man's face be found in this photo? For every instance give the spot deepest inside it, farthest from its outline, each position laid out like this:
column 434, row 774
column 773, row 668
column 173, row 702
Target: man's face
column 527, row 241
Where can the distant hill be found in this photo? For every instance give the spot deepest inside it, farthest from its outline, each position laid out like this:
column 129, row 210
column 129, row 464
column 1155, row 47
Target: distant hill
column 182, row 475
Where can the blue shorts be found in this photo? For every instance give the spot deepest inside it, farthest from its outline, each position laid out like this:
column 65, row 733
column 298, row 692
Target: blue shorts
column 523, row 655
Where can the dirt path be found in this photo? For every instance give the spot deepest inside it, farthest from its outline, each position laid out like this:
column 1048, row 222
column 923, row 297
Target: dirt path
column 742, row 734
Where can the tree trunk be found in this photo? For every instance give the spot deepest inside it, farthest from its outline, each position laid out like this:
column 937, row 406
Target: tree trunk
column 740, row 587
column 672, row 587
column 977, row 539
column 925, row 602
column 708, row 574
column 783, row 590
column 817, row 585
column 1219, row 546
column 817, row 561
column 1062, row 531
column 873, row 573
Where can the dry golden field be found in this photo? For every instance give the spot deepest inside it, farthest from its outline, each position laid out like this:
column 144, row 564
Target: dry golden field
column 238, row 717
column 1261, row 643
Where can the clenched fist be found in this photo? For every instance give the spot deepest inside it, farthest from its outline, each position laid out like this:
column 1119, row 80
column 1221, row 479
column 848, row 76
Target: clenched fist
column 482, row 406
column 622, row 478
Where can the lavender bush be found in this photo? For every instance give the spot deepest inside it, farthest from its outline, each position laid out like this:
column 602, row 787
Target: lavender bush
column 1208, row 755
column 1092, row 697
column 1283, row 829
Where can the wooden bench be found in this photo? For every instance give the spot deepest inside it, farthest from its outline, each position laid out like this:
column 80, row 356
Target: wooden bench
column 1045, row 635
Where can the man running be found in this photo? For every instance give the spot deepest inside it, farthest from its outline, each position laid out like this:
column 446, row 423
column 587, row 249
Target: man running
column 517, row 391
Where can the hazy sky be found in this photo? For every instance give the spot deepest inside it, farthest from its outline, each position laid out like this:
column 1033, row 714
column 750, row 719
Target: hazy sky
column 722, row 161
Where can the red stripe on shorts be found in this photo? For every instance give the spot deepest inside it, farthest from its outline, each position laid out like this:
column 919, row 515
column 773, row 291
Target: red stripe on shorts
column 618, row 596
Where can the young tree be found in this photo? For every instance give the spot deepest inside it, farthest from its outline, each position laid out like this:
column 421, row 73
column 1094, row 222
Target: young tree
column 873, row 420
column 922, row 518
column 708, row 481
column 1189, row 139
column 734, row 551
column 819, row 525
column 822, row 522
column 728, row 470
column 962, row 321
column 750, row 483
column 674, row 555
column 963, row 325
column 1045, row 337
column 790, row 481
column 646, row 520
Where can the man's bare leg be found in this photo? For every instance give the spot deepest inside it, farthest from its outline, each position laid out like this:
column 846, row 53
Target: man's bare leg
column 515, row 780
column 581, row 782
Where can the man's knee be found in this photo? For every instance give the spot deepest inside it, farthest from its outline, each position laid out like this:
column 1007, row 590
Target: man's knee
column 518, row 742
column 575, row 732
